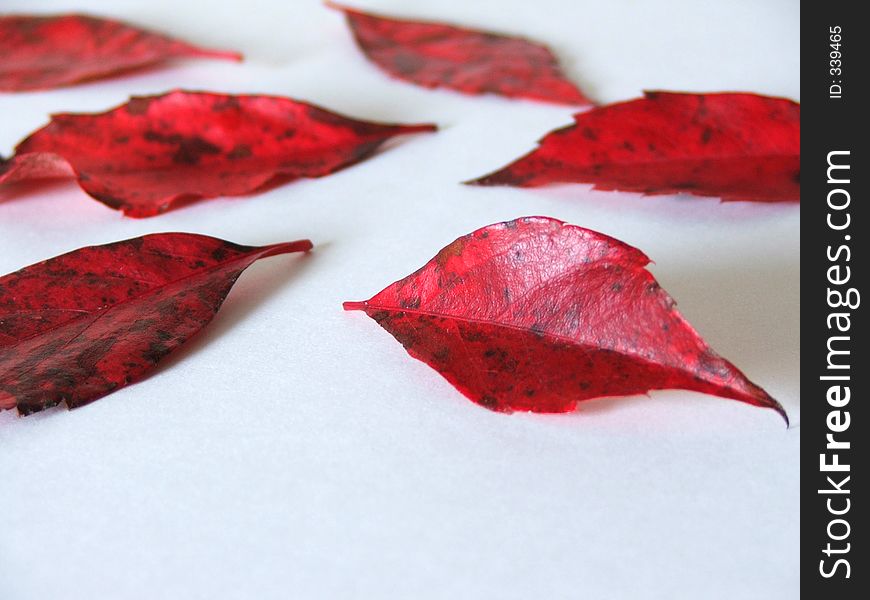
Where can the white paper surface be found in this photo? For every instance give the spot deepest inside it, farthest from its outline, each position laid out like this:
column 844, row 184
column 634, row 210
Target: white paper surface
column 296, row 451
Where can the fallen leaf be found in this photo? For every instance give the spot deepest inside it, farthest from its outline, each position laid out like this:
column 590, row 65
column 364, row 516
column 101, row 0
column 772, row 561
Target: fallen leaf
column 145, row 155
column 474, row 62
column 41, row 52
column 734, row 146
column 79, row 326
column 537, row 315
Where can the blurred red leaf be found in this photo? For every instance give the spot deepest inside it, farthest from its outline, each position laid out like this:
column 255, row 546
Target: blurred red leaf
column 537, row 315
column 144, row 155
column 78, row 326
column 40, row 52
column 475, row 62
column 734, row 146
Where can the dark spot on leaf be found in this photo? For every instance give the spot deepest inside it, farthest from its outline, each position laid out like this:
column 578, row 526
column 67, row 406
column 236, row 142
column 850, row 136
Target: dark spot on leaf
column 407, row 63
column 138, row 105
column 706, row 135
column 489, row 401
column 193, row 149
column 470, row 335
column 239, row 151
column 410, row 303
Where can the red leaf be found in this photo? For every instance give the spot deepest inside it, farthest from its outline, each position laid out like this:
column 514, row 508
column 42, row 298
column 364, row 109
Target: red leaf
column 537, row 315
column 475, row 62
column 78, row 326
column 143, row 156
column 40, row 52
column 735, row 146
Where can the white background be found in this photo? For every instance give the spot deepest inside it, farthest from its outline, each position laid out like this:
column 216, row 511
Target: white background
column 295, row 451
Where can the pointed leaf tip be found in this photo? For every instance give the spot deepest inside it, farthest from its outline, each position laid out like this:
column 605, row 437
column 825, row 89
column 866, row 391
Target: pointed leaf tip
column 781, row 411
column 287, row 247
column 337, row 6
column 785, row 418
column 222, row 54
column 420, row 128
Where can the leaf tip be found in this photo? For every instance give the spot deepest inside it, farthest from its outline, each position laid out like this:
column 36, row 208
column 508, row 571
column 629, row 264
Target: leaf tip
column 779, row 409
column 288, row 247
column 492, row 179
column 336, row 6
column 302, row 246
column 575, row 98
column 766, row 400
column 420, row 128
column 220, row 54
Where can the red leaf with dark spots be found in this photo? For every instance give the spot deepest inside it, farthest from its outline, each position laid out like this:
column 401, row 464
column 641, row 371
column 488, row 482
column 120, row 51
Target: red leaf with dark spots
column 474, row 62
column 143, row 156
column 79, row 326
column 734, row 146
column 41, row 52
column 537, row 315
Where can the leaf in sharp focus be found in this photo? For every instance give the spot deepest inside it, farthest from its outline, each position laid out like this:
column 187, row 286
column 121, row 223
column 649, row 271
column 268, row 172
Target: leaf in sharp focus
column 78, row 326
column 474, row 62
column 40, row 52
column 734, row 146
column 144, row 155
column 537, row 315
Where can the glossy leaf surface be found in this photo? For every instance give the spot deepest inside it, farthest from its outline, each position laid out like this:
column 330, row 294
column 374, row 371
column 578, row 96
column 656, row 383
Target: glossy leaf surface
column 734, row 146
column 538, row 315
column 41, row 52
column 145, row 155
column 436, row 55
column 79, row 326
